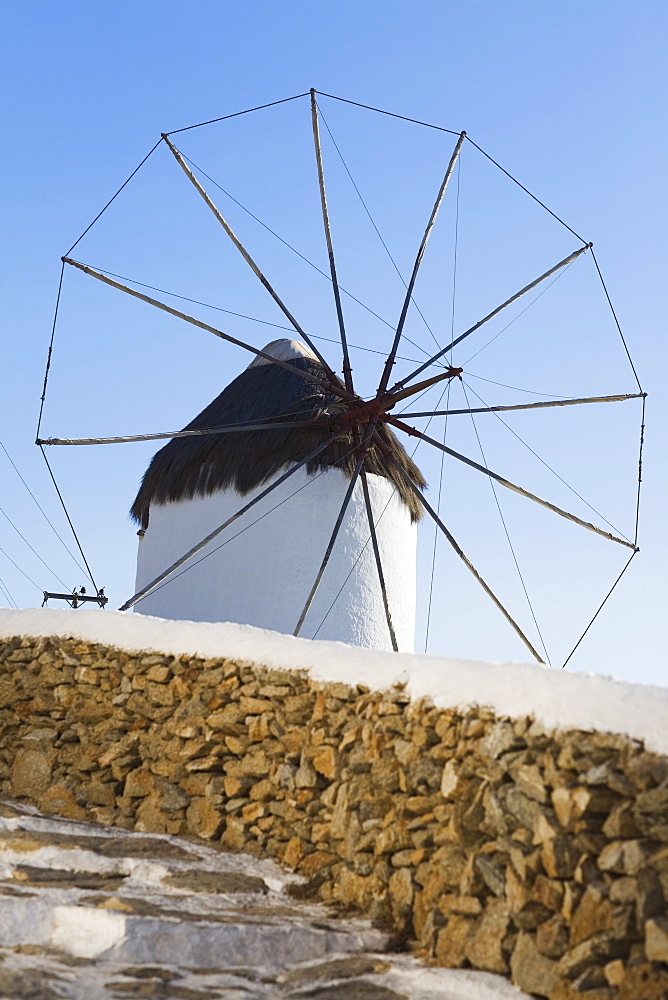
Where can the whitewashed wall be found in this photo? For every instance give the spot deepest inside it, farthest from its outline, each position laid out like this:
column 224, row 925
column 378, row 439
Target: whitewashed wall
column 264, row 571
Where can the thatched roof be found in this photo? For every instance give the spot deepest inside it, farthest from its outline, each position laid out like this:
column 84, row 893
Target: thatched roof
column 199, row 466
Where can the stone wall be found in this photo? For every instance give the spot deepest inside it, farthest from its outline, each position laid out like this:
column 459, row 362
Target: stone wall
column 488, row 841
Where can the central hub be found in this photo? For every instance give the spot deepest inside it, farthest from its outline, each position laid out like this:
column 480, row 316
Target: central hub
column 361, row 411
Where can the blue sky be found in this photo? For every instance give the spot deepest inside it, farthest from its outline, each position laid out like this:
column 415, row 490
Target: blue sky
column 569, row 98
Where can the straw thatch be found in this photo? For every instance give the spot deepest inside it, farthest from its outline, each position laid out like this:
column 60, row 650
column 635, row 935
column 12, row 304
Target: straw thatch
column 199, row 466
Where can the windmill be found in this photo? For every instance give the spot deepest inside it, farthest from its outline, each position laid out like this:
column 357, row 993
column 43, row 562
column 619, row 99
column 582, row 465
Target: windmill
column 284, row 462
column 363, row 425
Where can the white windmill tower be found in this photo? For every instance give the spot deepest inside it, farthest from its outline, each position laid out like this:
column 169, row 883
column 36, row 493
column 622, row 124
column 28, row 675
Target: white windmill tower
column 274, row 576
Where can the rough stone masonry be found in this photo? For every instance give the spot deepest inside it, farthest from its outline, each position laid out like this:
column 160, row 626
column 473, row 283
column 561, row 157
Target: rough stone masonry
column 488, row 842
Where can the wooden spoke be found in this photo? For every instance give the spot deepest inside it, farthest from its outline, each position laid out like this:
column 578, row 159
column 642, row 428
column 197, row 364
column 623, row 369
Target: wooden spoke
column 330, row 388
column 247, row 257
column 527, row 406
column 197, row 432
column 347, row 370
column 389, row 364
column 213, row 534
column 413, row 390
column 467, row 562
column 476, row 326
column 511, row 486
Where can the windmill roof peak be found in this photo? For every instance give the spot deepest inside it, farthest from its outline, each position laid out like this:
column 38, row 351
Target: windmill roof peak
column 284, row 349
